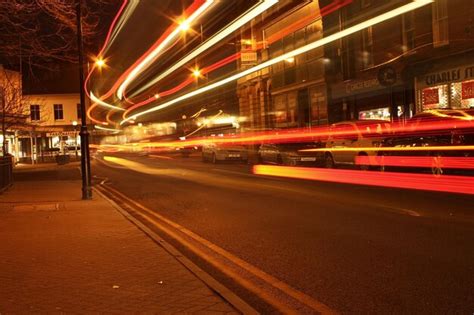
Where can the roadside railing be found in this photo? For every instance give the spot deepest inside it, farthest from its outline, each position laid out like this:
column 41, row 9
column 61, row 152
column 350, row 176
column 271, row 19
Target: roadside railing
column 6, row 172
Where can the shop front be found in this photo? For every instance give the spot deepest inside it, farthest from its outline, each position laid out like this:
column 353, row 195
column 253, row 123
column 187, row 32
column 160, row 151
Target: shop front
column 448, row 88
column 379, row 95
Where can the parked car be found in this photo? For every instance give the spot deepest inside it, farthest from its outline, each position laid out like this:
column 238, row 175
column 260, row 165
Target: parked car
column 290, row 154
column 218, row 153
column 439, row 129
column 348, row 140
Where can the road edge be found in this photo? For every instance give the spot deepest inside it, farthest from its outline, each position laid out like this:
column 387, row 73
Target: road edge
column 229, row 296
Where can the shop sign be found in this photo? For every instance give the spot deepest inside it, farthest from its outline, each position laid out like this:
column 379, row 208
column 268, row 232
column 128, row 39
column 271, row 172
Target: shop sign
column 375, row 81
column 62, row 134
column 468, row 90
column 430, row 96
column 387, row 76
column 447, row 76
column 249, row 57
column 362, row 85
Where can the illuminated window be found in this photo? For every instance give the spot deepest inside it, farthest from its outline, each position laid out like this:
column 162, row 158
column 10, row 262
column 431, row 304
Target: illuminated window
column 58, row 112
column 435, row 97
column 462, row 94
column 35, row 114
column 440, row 23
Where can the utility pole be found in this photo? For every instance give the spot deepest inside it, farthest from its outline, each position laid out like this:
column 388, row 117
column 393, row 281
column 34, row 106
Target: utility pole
column 84, row 133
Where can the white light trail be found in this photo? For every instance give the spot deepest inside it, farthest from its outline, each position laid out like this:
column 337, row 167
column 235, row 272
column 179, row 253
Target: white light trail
column 104, row 104
column 229, row 30
column 318, row 43
column 107, row 129
column 156, row 52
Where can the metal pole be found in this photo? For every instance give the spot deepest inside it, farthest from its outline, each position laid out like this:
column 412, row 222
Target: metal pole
column 85, row 157
column 75, row 141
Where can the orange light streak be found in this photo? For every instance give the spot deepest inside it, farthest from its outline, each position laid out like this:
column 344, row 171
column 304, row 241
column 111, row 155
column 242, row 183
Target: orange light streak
column 445, row 183
column 417, row 161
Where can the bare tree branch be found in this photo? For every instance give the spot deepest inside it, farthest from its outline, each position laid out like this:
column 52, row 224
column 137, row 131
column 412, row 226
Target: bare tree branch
column 42, row 30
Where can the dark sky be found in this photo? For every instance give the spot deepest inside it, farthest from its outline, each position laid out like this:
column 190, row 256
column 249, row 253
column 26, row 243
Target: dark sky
column 61, row 77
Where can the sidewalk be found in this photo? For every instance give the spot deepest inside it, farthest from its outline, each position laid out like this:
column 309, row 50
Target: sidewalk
column 61, row 254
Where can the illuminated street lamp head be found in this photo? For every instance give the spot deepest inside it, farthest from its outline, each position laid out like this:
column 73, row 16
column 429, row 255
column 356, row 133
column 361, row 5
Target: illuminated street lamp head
column 99, row 62
column 196, row 73
column 184, row 26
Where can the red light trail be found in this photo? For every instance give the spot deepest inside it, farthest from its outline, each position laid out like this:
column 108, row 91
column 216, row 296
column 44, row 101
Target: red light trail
column 445, row 183
column 418, row 161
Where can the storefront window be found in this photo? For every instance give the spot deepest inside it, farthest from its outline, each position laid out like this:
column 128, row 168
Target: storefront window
column 462, row 94
column 378, row 113
column 451, row 88
column 435, row 97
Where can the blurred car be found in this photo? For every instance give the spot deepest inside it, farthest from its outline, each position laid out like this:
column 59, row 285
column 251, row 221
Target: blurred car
column 218, row 153
column 186, row 151
column 290, row 154
column 440, row 129
column 349, row 140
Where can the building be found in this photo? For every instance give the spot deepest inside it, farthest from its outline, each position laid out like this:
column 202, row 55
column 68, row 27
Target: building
column 290, row 93
column 55, row 121
column 421, row 60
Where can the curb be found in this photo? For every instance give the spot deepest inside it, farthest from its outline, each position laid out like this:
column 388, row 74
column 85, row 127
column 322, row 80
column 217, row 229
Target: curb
column 229, row 296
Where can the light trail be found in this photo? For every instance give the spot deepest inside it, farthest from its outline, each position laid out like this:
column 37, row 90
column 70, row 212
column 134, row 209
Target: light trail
column 188, row 11
column 324, row 11
column 89, row 115
column 318, row 43
column 183, row 84
column 151, row 56
column 106, row 42
column 107, row 129
column 444, row 183
column 201, row 127
column 395, row 149
column 417, row 161
column 104, row 104
column 101, row 53
column 229, row 30
column 321, row 134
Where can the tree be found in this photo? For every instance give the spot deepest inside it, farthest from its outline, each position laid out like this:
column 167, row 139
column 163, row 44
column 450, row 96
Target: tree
column 44, row 30
column 12, row 109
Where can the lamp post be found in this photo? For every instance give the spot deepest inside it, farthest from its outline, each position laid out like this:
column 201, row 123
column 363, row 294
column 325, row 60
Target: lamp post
column 85, row 157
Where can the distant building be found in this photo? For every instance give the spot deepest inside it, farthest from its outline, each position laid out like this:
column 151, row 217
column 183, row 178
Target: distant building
column 55, row 121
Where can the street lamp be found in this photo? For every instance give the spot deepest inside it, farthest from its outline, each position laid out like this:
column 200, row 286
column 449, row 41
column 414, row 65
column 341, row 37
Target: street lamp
column 84, row 133
column 196, row 73
column 100, row 62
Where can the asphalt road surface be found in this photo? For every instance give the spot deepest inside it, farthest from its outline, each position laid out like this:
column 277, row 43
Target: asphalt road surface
column 357, row 249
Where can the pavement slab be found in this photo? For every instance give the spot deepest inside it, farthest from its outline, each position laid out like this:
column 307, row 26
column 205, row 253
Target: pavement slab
column 61, row 254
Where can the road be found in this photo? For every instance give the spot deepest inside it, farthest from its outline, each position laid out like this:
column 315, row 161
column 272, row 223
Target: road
column 357, row 249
